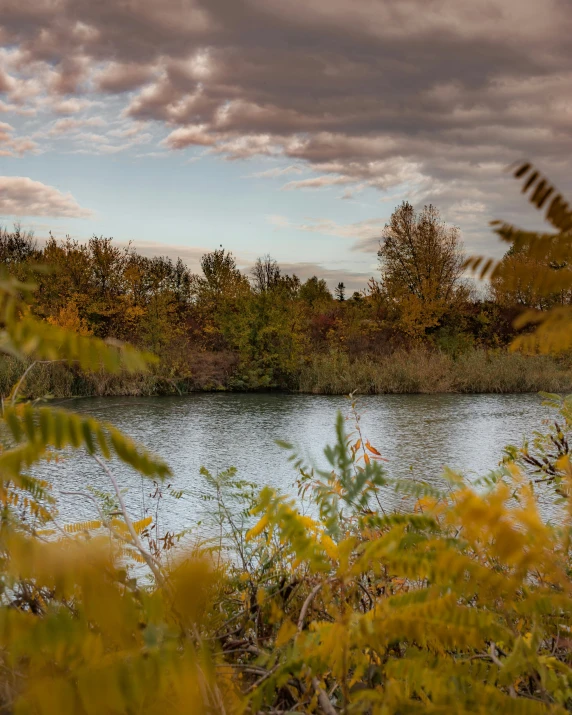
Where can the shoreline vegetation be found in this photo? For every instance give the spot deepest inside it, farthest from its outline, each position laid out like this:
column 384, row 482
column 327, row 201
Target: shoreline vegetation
column 420, row 326
column 415, row 371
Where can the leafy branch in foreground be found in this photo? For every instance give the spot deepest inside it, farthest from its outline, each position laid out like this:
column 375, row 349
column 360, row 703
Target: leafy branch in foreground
column 539, row 264
column 462, row 604
column 24, row 336
column 77, row 632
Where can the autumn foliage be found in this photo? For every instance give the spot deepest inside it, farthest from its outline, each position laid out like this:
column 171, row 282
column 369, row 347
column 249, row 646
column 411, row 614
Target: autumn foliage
column 223, row 329
column 457, row 600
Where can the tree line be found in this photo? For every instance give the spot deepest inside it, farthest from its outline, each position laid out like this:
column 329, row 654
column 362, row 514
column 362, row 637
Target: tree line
column 224, row 328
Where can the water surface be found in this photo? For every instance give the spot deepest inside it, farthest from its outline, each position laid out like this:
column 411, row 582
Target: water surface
column 418, row 434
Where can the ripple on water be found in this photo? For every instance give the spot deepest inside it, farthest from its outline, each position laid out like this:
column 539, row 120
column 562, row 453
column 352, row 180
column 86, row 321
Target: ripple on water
column 419, row 434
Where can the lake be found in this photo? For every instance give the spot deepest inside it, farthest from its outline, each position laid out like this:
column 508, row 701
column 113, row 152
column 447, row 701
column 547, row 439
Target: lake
column 418, row 434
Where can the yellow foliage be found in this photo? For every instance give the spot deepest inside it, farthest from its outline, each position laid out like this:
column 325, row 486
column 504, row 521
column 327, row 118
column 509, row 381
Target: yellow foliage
column 83, row 526
column 69, row 318
column 77, row 634
column 462, row 604
column 536, row 271
column 286, row 632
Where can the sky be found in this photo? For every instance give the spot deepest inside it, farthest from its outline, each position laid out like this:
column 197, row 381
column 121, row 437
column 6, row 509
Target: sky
column 283, row 127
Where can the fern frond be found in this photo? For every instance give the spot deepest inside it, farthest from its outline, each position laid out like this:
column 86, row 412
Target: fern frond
column 83, row 526
column 539, row 190
column 33, row 338
column 139, row 526
column 553, row 333
column 46, row 427
column 543, row 280
column 488, row 266
column 131, row 554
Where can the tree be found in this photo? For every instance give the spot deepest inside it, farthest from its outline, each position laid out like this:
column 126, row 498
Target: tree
column 421, row 255
column 266, row 274
column 16, row 246
column 421, row 264
column 340, row 292
column 315, row 290
column 221, row 275
column 107, row 264
column 181, row 281
column 290, row 284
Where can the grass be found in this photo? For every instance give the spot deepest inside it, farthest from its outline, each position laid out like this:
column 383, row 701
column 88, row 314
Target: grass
column 416, row 371
column 425, row 371
column 60, row 380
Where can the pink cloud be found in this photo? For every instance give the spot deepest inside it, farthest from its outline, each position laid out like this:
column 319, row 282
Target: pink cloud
column 188, row 136
column 318, row 182
column 415, row 96
column 14, row 146
column 117, row 78
column 22, row 196
column 276, row 172
column 70, row 124
column 70, row 106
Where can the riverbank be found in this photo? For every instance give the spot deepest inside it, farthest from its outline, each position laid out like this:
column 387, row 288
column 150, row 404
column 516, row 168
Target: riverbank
column 418, row 371
column 426, row 372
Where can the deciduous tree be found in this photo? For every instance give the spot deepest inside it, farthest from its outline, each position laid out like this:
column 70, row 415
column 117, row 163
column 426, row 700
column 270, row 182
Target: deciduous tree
column 420, row 255
column 421, row 264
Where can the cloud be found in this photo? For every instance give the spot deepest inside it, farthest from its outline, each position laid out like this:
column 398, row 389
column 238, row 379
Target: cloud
column 126, row 131
column 350, row 192
column 317, row 182
column 429, row 98
column 118, row 78
column 366, row 234
column 5, row 130
column 14, row 146
column 153, row 154
column 21, row 196
column 9, row 108
column 361, row 230
column 278, row 221
column 247, row 146
column 69, row 74
column 6, row 82
column 354, row 281
column 94, row 143
column 71, row 124
column 188, row 136
column 70, row 106
column 276, row 172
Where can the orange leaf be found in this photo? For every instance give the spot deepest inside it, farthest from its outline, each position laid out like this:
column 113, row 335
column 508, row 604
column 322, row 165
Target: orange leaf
column 373, row 450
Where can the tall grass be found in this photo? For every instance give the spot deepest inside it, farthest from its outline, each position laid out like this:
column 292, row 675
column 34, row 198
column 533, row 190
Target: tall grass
column 414, row 371
column 425, row 371
column 61, row 380
column 198, row 372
